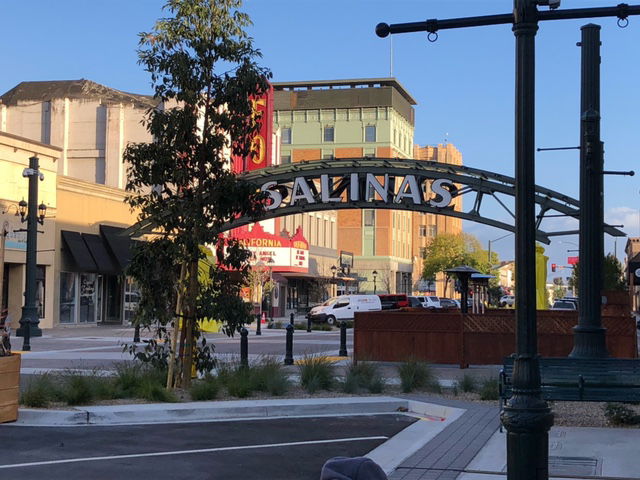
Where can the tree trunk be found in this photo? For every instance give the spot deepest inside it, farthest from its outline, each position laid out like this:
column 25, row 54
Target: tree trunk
column 171, row 381
column 189, row 319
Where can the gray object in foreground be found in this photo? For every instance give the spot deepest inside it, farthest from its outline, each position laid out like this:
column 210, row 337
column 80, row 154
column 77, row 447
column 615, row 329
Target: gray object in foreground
column 357, row 468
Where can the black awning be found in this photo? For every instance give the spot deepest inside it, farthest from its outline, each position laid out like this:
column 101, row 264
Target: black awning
column 100, row 254
column 121, row 246
column 79, row 251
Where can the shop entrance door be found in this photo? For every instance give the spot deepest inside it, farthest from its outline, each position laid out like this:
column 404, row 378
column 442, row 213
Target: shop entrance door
column 113, row 292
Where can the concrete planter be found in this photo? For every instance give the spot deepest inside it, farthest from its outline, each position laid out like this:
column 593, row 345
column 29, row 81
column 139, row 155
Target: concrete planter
column 9, row 388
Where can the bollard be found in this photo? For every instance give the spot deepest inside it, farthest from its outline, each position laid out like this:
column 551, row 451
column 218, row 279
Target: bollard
column 291, row 315
column 308, row 323
column 343, row 339
column 288, row 355
column 244, row 347
column 259, row 324
column 136, row 334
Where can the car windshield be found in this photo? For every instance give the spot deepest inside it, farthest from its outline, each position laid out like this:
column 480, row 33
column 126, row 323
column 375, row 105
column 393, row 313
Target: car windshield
column 570, row 305
column 330, row 302
column 435, row 299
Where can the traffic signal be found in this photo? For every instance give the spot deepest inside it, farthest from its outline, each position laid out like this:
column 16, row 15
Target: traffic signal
column 553, row 267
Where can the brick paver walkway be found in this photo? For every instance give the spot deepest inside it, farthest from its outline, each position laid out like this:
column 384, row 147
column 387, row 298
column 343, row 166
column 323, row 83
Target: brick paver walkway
column 449, row 452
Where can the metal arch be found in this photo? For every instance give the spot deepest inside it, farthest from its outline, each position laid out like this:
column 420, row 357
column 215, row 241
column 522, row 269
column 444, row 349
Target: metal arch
column 472, row 180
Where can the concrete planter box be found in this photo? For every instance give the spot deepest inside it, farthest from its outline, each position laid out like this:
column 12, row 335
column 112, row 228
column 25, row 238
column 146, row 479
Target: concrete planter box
column 9, row 388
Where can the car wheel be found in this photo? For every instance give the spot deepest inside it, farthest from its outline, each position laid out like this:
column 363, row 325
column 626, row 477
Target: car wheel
column 331, row 320
column 503, row 304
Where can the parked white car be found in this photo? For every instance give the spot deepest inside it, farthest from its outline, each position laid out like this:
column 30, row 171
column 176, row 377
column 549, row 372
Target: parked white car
column 507, row 300
column 344, row 307
column 430, row 301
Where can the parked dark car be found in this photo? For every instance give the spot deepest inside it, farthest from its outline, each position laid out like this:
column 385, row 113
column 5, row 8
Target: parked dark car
column 448, row 303
column 393, row 301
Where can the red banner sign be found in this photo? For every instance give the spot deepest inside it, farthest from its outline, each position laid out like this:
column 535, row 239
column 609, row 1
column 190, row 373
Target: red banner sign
column 262, row 143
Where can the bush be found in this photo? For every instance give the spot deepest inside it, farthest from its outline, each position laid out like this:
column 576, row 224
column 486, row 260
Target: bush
column 489, row 389
column 416, row 375
column 317, row 372
column 619, row 414
column 467, row 383
column 38, row 392
column 268, row 375
column 363, row 376
column 205, row 389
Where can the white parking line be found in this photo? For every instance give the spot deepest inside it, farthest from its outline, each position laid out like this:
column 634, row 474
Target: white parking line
column 188, row 452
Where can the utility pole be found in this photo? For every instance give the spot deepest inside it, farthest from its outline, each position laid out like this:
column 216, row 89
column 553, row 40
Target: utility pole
column 526, row 416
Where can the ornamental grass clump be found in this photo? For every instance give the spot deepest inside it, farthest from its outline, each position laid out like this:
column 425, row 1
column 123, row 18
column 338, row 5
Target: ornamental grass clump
column 39, row 391
column 417, row 375
column 317, row 372
column 268, row 375
column 206, row 388
column 467, row 383
column 489, row 389
column 363, row 376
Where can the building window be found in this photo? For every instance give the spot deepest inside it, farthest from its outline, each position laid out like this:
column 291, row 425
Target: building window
column 369, row 152
column 369, row 218
column 423, row 230
column 328, row 135
column 370, row 133
column 286, row 135
column 67, row 297
column 327, row 156
column 423, row 252
column 40, row 291
column 285, row 159
column 432, row 230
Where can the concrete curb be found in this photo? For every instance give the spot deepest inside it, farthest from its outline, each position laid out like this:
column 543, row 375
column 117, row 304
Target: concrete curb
column 225, row 410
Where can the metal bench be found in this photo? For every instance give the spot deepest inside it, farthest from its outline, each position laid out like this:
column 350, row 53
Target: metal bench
column 581, row 379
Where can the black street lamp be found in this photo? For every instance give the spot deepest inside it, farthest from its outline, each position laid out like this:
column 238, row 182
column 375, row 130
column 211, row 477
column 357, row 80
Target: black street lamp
column 375, row 274
column 29, row 320
column 526, row 416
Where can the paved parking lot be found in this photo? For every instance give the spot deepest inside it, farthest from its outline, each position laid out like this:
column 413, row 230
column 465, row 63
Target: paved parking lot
column 276, row 449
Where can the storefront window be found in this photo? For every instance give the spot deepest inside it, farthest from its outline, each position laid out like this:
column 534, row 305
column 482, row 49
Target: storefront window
column 131, row 299
column 40, row 283
column 88, row 297
column 67, row 297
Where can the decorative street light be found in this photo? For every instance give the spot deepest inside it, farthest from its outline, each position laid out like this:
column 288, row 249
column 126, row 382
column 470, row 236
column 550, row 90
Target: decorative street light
column 494, row 241
column 375, row 274
column 526, row 415
column 29, row 320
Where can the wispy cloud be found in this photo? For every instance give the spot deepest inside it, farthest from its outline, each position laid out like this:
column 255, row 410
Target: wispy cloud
column 627, row 216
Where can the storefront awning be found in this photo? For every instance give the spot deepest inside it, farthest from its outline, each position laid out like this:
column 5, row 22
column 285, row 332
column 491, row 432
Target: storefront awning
column 120, row 245
column 79, row 251
column 101, row 257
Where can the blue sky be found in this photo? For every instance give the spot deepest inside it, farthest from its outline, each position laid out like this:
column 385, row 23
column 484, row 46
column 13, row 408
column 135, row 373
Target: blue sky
column 463, row 83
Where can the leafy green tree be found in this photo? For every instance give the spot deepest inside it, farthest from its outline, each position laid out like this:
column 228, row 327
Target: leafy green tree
column 612, row 274
column 204, row 72
column 452, row 250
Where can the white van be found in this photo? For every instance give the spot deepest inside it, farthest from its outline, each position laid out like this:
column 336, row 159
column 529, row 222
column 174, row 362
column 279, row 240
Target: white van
column 343, row 308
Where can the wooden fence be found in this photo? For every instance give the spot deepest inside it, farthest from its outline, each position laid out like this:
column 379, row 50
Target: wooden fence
column 474, row 339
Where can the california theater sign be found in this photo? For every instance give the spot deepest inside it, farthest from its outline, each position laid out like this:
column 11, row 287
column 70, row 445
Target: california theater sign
column 328, row 189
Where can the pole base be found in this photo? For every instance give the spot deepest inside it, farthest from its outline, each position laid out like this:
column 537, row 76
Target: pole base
column 589, row 342
column 34, row 330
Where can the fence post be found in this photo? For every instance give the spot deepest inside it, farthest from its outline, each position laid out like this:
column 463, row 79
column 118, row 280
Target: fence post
column 288, row 355
column 343, row 339
column 259, row 324
column 291, row 316
column 308, row 323
column 244, row 347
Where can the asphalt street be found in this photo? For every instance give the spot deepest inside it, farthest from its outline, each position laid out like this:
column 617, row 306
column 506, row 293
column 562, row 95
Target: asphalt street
column 275, row 449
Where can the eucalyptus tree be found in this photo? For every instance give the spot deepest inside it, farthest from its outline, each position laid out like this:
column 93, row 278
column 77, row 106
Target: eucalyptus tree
column 205, row 74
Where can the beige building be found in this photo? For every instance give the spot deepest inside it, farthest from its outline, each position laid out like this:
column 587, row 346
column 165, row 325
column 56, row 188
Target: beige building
column 15, row 152
column 426, row 226
column 81, row 258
